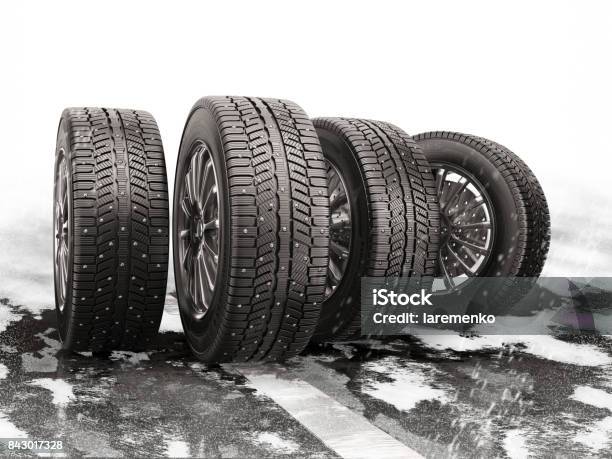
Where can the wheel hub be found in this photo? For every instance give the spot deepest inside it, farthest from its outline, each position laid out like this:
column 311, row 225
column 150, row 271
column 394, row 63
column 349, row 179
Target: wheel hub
column 340, row 229
column 198, row 225
column 62, row 232
column 466, row 224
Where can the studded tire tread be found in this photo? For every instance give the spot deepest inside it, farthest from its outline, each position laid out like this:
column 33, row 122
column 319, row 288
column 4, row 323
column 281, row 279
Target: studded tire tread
column 402, row 213
column 269, row 296
column 119, row 196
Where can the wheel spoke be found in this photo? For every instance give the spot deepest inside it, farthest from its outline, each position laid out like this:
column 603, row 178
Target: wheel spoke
column 448, row 280
column 468, row 244
column 63, row 261
column 201, row 262
column 58, row 251
column 339, row 224
column 186, row 207
column 473, row 206
column 338, row 249
column 465, row 268
column 338, row 200
column 441, row 179
column 456, row 195
column 188, row 257
column 211, row 225
column 484, row 224
column 474, row 257
column 208, row 249
column 65, row 206
column 191, row 188
column 335, row 272
column 194, row 280
column 211, row 198
column 211, row 272
column 208, row 182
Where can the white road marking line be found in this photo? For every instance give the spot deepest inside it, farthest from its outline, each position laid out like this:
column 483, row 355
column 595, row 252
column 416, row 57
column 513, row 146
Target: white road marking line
column 349, row 434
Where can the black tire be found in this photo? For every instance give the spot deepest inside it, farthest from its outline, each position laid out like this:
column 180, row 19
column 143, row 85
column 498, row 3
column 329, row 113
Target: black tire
column 394, row 213
column 271, row 239
column 521, row 220
column 115, row 249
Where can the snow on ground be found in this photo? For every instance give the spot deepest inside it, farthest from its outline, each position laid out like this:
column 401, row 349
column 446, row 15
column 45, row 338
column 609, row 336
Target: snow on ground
column 396, row 378
column 4, row 371
column 515, row 444
column 593, row 396
column 275, row 442
column 8, row 429
column 45, row 360
column 544, row 346
column 171, row 320
column 597, row 435
column 129, row 357
column 177, row 448
column 7, row 316
column 61, row 390
column 27, row 266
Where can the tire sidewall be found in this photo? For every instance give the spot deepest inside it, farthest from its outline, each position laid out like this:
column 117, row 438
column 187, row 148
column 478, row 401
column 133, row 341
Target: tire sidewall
column 338, row 310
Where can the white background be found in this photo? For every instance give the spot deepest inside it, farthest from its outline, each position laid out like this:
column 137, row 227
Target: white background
column 534, row 76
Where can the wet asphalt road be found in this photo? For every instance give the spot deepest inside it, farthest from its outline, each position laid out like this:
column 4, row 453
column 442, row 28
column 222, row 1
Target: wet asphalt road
column 491, row 399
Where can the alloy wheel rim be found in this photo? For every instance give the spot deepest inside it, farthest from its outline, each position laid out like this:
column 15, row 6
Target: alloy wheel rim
column 467, row 225
column 199, row 228
column 340, row 229
column 61, row 231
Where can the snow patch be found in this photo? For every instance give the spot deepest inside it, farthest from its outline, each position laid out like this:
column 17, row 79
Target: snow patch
column 8, row 349
column 171, row 319
column 43, row 361
column 4, row 371
column 276, row 442
column 544, row 346
column 60, row 389
column 410, row 383
column 592, row 396
column 8, row 429
column 597, row 436
column 347, row 351
column 130, row 357
column 177, row 448
column 26, row 270
column 515, row 444
column 7, row 316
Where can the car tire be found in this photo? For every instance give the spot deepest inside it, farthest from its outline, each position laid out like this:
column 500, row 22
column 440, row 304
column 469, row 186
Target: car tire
column 111, row 229
column 394, row 215
column 250, row 229
column 510, row 222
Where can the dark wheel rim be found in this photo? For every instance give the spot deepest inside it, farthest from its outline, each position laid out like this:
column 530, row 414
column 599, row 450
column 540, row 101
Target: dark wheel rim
column 61, row 228
column 467, row 225
column 198, row 229
column 340, row 229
